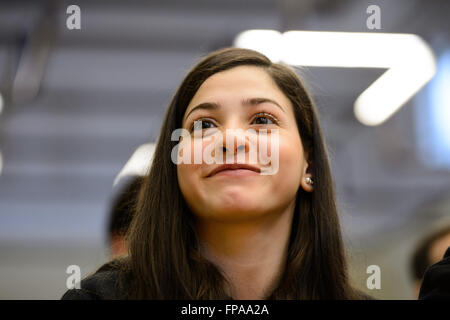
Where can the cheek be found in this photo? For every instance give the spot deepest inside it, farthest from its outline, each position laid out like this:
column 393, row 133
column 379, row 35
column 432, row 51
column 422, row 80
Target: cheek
column 193, row 151
column 189, row 172
column 291, row 159
column 188, row 182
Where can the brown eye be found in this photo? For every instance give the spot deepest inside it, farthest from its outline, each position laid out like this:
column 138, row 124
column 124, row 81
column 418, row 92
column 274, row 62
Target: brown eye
column 264, row 118
column 201, row 124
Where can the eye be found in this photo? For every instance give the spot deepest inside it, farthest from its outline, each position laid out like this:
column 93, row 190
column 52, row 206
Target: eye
column 264, row 118
column 201, row 124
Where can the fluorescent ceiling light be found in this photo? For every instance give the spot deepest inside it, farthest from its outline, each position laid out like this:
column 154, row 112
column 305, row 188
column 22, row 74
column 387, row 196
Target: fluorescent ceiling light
column 1, row 103
column 139, row 163
column 433, row 118
column 409, row 60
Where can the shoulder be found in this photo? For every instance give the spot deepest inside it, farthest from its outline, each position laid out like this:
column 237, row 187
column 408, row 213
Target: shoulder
column 104, row 284
column 436, row 281
column 361, row 295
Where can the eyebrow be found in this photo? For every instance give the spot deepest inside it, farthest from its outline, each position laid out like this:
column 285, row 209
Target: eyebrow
column 245, row 102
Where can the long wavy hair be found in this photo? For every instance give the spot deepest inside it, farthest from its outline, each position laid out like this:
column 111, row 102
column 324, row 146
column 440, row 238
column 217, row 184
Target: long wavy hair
column 164, row 261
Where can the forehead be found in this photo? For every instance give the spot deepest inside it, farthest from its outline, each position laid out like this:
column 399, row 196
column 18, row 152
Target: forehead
column 238, row 83
column 242, row 77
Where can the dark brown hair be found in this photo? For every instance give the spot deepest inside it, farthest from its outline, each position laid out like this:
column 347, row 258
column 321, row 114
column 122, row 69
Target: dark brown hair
column 164, row 260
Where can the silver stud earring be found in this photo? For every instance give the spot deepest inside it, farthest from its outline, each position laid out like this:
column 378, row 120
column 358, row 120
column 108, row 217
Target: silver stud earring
column 309, row 181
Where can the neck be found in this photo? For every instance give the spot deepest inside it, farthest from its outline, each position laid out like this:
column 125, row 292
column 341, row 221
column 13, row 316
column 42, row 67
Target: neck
column 251, row 253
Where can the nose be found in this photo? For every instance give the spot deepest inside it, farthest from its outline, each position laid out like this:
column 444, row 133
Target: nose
column 235, row 141
column 240, row 147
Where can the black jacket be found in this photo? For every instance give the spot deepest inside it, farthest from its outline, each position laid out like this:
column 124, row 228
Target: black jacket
column 436, row 281
column 104, row 284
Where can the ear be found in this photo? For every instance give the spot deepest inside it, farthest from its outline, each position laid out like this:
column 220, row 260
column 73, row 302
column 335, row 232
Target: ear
column 306, row 173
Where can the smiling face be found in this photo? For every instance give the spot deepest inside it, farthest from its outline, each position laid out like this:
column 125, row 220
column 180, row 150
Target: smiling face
column 243, row 97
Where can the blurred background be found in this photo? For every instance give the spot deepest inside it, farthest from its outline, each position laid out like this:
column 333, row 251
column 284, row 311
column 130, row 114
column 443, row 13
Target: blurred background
column 76, row 104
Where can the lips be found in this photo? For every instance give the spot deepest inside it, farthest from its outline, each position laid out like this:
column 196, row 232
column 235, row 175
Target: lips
column 234, row 166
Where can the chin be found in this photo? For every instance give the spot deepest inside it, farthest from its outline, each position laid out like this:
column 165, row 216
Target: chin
column 237, row 211
column 235, row 216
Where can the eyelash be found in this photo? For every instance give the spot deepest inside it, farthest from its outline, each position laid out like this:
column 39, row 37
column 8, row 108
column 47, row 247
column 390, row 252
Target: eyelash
column 258, row 115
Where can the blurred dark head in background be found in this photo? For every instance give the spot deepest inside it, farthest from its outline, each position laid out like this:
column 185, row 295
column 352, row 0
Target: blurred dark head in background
column 427, row 252
column 121, row 214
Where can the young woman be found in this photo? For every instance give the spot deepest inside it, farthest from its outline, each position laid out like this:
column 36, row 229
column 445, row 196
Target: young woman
column 203, row 232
